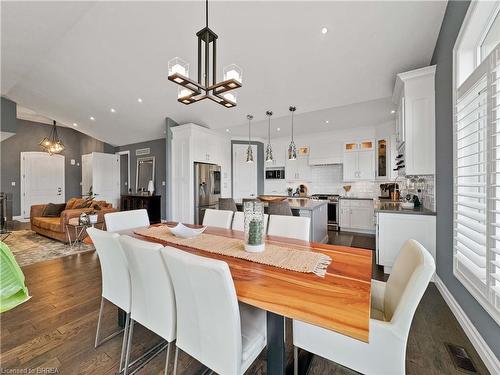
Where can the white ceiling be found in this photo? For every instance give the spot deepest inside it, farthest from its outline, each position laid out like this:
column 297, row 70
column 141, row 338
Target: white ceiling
column 73, row 60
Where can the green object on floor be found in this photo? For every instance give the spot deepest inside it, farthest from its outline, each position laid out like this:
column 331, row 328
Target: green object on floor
column 13, row 292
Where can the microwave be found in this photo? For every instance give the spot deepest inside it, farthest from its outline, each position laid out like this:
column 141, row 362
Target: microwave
column 275, row 174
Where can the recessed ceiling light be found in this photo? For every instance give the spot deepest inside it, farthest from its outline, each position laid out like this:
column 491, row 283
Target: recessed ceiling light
column 393, row 111
column 324, row 30
column 112, row 110
column 326, row 122
column 227, row 130
column 92, row 118
column 139, row 100
column 278, row 129
column 75, row 124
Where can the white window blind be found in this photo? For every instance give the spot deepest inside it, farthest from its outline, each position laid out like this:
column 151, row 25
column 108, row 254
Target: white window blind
column 477, row 184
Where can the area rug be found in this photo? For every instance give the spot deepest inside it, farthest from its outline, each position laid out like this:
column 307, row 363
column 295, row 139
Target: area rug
column 29, row 247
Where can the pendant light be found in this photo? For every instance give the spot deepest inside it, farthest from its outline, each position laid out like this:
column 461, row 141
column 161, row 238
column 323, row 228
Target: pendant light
column 52, row 144
column 192, row 91
column 269, row 149
column 292, row 149
column 249, row 149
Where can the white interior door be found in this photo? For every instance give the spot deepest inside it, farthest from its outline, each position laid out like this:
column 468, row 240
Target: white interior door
column 106, row 177
column 42, row 180
column 244, row 174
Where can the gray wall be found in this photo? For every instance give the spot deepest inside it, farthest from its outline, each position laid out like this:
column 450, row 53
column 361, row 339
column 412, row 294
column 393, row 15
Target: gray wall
column 260, row 164
column 158, row 150
column 27, row 136
column 8, row 115
column 443, row 57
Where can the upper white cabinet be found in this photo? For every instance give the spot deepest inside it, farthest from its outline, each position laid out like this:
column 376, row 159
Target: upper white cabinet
column 192, row 143
column 298, row 169
column 414, row 95
column 359, row 161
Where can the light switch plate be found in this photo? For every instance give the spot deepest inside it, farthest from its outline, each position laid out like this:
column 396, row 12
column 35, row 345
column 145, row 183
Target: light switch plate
column 72, row 162
column 13, row 183
column 163, row 183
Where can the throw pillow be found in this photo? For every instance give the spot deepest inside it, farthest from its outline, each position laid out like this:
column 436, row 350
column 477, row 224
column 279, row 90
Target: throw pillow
column 53, row 210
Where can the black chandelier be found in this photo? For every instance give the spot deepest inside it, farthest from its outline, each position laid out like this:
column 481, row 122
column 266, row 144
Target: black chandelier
column 193, row 91
column 52, row 144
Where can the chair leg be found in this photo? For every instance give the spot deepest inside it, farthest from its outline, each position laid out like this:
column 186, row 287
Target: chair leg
column 129, row 346
column 295, row 360
column 175, row 359
column 124, row 342
column 99, row 323
column 168, row 356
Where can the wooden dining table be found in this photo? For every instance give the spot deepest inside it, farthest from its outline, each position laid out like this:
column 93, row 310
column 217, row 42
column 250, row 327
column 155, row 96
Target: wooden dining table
column 340, row 301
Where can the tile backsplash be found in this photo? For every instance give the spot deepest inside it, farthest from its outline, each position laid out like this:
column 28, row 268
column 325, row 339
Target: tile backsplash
column 328, row 179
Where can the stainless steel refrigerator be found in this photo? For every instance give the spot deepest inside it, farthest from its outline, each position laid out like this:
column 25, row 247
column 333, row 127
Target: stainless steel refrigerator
column 207, row 185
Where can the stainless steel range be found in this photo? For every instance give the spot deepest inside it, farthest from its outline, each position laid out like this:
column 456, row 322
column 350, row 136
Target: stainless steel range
column 333, row 209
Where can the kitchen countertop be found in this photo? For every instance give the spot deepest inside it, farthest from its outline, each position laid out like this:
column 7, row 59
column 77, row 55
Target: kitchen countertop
column 299, row 203
column 393, row 208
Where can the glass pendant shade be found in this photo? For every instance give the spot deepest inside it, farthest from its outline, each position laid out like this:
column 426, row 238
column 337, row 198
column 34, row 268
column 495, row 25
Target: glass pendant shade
column 233, row 71
column 231, row 96
column 249, row 154
column 183, row 92
column 269, row 149
column 249, row 149
column 178, row 66
column 292, row 149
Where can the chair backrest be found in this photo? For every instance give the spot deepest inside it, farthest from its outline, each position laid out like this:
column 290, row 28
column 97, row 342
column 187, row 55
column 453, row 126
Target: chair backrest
column 208, row 325
column 410, row 276
column 124, row 220
column 153, row 299
column 116, row 286
column 218, row 218
column 239, row 221
column 280, row 208
column 297, row 227
column 227, row 204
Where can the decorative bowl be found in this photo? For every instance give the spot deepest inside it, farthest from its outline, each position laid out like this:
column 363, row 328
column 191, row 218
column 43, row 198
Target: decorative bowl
column 182, row 231
column 271, row 198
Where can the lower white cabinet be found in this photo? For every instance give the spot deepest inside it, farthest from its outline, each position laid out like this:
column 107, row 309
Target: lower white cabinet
column 357, row 215
column 394, row 229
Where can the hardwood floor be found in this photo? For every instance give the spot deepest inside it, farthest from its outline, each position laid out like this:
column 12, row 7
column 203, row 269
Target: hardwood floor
column 55, row 330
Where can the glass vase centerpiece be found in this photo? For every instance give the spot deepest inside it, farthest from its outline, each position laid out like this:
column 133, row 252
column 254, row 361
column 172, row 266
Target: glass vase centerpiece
column 254, row 227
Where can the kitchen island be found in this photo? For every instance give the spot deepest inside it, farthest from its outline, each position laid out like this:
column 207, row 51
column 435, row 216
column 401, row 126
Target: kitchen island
column 317, row 210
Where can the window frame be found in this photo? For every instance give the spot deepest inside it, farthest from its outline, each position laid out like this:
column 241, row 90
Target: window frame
column 486, row 300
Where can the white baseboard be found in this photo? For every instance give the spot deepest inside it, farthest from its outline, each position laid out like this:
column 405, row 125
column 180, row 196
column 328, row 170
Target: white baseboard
column 491, row 362
column 21, row 219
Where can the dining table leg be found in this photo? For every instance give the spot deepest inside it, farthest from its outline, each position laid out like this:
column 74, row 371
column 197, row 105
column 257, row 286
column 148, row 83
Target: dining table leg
column 276, row 361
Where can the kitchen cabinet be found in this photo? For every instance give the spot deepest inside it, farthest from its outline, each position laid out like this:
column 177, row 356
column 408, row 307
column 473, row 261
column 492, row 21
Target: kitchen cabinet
column 394, row 229
column 298, row 169
column 359, row 161
column 245, row 174
column 414, row 94
column 357, row 215
column 192, row 143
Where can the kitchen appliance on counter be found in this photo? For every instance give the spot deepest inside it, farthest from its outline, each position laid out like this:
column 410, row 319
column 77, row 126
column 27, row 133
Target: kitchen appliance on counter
column 333, row 209
column 275, row 173
column 207, row 186
column 387, row 189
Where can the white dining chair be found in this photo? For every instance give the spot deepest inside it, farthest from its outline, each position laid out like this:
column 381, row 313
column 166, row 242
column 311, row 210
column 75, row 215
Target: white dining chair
column 115, row 281
column 239, row 221
column 125, row 220
column 222, row 334
column 218, row 218
column 393, row 306
column 153, row 300
column 297, row 227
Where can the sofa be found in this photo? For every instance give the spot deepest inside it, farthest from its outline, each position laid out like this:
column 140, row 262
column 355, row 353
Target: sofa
column 55, row 227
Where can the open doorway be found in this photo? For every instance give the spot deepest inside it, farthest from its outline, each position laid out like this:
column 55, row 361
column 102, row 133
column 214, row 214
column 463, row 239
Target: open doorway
column 125, row 187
